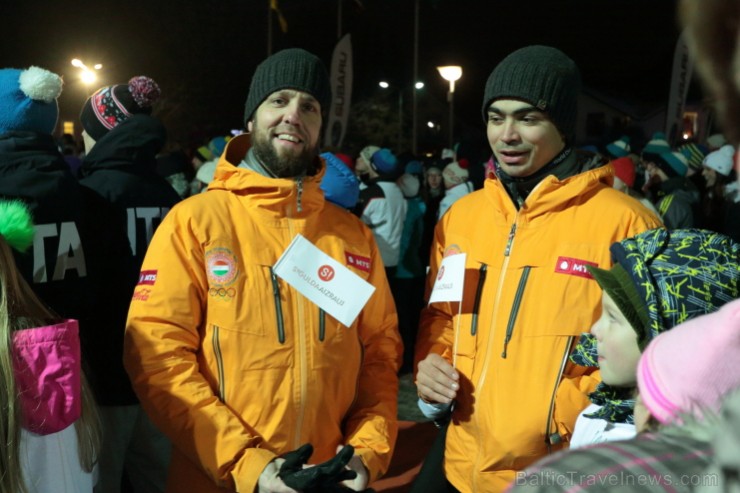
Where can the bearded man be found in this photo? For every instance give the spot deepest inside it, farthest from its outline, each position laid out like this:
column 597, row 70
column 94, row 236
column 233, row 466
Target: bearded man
column 230, row 361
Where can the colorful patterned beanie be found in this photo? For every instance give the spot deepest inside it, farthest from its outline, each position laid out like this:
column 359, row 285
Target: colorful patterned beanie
column 111, row 105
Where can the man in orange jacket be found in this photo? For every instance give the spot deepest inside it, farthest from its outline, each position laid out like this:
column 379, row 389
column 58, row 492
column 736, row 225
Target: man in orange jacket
column 235, row 365
column 541, row 217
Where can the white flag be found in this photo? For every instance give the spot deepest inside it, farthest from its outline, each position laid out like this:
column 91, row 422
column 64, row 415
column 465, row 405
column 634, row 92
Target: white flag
column 450, row 279
column 333, row 287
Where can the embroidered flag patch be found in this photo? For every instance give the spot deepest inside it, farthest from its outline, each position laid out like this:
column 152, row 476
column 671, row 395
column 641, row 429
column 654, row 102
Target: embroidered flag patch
column 147, row 277
column 357, row 261
column 574, row 267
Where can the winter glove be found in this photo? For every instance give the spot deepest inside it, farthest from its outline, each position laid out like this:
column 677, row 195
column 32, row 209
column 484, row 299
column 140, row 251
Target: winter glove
column 319, row 477
column 295, row 460
column 270, row 482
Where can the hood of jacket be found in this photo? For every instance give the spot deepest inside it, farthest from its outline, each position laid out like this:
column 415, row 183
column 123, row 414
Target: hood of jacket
column 131, row 146
column 284, row 197
column 31, row 166
column 550, row 194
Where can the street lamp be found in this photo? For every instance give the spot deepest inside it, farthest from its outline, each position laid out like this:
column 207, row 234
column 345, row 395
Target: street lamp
column 451, row 73
column 87, row 75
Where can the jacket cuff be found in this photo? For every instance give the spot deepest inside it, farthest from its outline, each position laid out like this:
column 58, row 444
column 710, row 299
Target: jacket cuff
column 246, row 473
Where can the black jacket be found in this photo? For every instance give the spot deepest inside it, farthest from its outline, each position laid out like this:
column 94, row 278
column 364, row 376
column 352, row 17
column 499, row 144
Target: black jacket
column 121, row 170
column 56, row 267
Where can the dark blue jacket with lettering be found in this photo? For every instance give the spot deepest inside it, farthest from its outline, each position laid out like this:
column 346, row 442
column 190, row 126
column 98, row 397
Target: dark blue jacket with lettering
column 33, row 170
column 121, row 170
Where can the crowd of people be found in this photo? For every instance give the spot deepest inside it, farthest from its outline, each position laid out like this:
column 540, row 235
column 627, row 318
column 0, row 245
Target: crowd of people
column 237, row 317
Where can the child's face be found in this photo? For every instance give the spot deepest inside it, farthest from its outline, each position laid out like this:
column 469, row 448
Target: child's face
column 616, row 345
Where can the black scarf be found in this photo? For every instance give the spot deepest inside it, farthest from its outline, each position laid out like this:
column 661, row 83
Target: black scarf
column 564, row 165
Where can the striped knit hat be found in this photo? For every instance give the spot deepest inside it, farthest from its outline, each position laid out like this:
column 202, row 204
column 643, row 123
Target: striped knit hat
column 620, row 147
column 657, row 144
column 111, row 105
column 695, row 153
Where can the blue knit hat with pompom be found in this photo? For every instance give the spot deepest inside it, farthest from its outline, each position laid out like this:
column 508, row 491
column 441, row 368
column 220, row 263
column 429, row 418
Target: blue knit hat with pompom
column 28, row 100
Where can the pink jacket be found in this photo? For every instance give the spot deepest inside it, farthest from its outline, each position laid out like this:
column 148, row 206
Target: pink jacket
column 46, row 362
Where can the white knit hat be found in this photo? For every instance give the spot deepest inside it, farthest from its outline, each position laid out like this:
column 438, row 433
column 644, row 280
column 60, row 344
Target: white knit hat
column 454, row 174
column 721, row 160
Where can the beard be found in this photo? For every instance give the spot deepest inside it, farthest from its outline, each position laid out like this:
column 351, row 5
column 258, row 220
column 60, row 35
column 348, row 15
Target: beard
column 284, row 166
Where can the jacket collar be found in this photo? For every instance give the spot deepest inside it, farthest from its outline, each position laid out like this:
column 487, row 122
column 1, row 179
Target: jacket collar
column 290, row 197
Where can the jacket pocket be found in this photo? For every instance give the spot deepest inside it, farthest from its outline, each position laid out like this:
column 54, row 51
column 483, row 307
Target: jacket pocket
column 236, row 351
column 566, row 297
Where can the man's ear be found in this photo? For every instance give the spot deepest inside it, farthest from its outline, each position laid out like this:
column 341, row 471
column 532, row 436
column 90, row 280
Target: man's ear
column 249, row 127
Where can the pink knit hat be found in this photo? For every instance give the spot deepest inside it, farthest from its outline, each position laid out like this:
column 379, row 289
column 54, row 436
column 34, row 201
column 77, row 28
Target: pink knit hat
column 690, row 368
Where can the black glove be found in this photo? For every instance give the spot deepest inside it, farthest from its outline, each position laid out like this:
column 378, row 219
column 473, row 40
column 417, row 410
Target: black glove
column 319, row 477
column 295, row 460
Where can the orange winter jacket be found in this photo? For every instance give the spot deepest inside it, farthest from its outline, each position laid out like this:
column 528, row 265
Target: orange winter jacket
column 233, row 364
column 527, row 297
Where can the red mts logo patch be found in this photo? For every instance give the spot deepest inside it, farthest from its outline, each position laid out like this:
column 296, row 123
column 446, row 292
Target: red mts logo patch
column 147, row 277
column 357, row 261
column 326, row 273
column 574, row 267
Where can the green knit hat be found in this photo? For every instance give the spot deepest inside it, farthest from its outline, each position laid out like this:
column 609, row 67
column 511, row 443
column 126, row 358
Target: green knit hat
column 544, row 77
column 620, row 287
column 293, row 68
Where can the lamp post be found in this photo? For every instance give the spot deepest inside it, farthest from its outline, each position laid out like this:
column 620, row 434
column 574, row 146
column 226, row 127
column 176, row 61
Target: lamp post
column 451, row 73
column 87, row 75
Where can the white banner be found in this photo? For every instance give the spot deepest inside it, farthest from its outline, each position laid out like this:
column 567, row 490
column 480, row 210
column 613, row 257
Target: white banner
column 341, row 90
column 450, row 279
column 683, row 67
column 333, row 287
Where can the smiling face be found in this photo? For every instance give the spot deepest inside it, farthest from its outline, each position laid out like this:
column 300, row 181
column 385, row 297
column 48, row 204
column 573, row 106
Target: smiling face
column 285, row 132
column 617, row 345
column 523, row 138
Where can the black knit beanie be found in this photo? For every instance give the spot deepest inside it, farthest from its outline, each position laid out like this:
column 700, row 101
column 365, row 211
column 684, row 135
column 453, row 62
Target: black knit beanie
column 540, row 75
column 293, row 68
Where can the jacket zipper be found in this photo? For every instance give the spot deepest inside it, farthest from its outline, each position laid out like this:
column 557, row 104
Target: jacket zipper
column 486, row 362
column 302, row 350
column 553, row 438
column 510, row 240
column 299, row 194
column 322, row 324
column 476, row 304
column 278, row 307
column 219, row 364
column 515, row 308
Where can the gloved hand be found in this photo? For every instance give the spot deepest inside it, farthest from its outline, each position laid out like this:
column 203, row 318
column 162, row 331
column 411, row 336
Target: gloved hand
column 295, row 460
column 270, row 482
column 318, row 477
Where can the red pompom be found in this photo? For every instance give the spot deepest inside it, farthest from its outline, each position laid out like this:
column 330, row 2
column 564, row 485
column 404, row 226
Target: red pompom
column 144, row 91
column 463, row 163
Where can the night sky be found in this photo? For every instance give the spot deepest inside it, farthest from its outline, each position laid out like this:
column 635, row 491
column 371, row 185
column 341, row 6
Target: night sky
column 203, row 53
